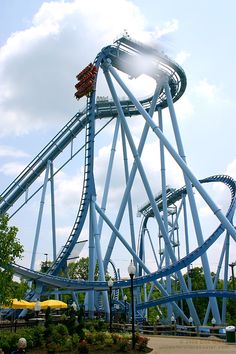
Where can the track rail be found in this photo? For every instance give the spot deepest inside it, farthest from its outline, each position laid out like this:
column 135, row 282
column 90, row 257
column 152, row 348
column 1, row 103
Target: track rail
column 174, row 267
column 189, row 295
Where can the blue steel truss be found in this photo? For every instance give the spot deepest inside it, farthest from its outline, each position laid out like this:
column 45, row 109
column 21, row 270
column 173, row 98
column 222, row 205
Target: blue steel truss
column 171, row 83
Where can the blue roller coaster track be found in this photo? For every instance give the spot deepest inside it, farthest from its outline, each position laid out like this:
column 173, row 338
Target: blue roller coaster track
column 124, row 56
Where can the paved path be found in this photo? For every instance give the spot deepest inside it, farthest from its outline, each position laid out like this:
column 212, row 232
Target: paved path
column 186, row 345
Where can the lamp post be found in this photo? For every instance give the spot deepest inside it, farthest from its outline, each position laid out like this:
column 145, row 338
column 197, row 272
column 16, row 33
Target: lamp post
column 213, row 322
column 37, row 308
column 74, row 306
column 173, row 323
column 125, row 300
column 46, row 255
column 190, row 320
column 131, row 271
column 110, row 285
column 232, row 265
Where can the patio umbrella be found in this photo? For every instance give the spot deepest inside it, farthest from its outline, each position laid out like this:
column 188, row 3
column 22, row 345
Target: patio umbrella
column 57, row 304
column 19, row 304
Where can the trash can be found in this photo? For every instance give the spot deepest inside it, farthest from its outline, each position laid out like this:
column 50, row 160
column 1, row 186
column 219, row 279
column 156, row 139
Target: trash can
column 230, row 334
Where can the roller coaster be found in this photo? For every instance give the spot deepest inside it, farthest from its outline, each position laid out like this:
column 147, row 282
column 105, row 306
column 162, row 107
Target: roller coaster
column 105, row 217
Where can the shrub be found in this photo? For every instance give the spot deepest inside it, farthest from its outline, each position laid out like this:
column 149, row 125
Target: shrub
column 33, row 335
column 115, row 337
column 58, row 339
column 89, row 337
column 61, row 330
column 99, row 338
column 141, row 342
column 75, row 340
column 5, row 342
column 108, row 339
column 123, row 344
column 83, row 347
column 101, row 325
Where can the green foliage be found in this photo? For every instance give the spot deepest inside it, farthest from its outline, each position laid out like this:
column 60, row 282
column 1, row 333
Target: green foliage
column 10, row 250
column 45, row 265
column 123, row 344
column 80, row 269
column 89, row 337
column 141, row 342
column 59, row 340
column 96, row 325
column 34, row 337
column 115, row 337
column 83, row 347
column 99, row 338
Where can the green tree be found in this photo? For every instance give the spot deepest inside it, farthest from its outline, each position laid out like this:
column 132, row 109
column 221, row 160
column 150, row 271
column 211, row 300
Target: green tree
column 231, row 304
column 10, row 250
column 44, row 266
column 80, row 269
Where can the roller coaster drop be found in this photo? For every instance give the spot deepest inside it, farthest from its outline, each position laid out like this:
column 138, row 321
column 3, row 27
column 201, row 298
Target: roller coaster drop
column 164, row 211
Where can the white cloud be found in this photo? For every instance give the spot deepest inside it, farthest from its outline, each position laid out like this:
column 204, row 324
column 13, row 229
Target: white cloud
column 206, row 90
column 231, row 169
column 184, row 108
column 68, row 191
column 38, row 65
column 9, row 151
column 12, row 168
column 181, row 57
column 167, row 27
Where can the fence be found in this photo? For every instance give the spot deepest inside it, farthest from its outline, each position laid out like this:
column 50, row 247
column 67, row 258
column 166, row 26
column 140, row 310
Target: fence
column 174, row 330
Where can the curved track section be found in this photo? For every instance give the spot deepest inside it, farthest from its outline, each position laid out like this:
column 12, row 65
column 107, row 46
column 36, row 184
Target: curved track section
column 189, row 295
column 165, row 271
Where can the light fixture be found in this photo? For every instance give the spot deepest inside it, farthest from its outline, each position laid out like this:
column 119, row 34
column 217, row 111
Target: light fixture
column 131, row 271
column 131, row 268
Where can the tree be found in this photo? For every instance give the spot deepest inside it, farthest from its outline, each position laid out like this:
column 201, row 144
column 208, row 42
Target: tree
column 79, row 269
column 10, row 250
column 44, row 266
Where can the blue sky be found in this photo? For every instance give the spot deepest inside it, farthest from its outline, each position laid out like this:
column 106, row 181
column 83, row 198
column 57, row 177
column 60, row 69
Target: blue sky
column 45, row 44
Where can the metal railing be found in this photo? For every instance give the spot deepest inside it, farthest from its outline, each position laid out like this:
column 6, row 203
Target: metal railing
column 174, row 330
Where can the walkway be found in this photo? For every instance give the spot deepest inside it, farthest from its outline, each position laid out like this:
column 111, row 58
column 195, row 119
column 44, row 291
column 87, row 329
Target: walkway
column 186, row 345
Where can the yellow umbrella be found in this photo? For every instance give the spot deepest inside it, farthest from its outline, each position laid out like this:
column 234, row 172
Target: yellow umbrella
column 53, row 303
column 19, row 304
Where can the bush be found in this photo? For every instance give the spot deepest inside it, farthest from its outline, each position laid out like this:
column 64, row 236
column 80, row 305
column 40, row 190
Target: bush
column 115, row 337
column 123, row 344
column 141, row 342
column 75, row 340
column 5, row 342
column 55, row 339
column 58, row 339
column 34, row 337
column 89, row 337
column 83, row 347
column 99, row 338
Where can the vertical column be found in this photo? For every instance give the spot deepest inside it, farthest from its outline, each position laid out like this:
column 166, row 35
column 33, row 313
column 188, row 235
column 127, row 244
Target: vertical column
column 192, row 202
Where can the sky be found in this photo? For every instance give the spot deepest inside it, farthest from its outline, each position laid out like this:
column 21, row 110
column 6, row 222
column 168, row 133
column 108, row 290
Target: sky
column 44, row 44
